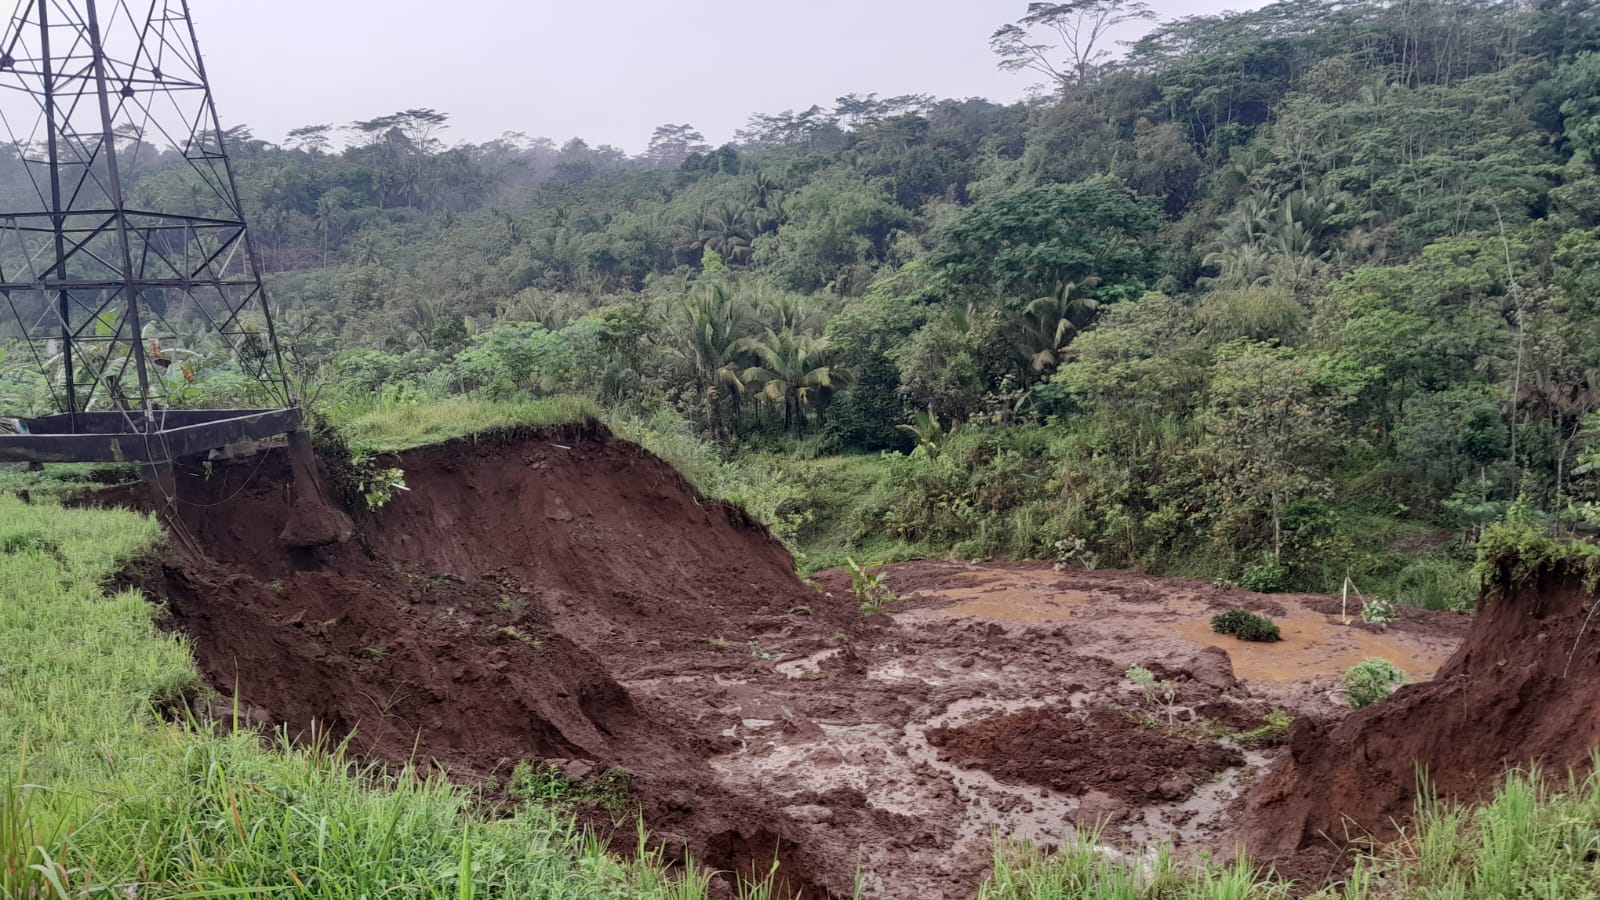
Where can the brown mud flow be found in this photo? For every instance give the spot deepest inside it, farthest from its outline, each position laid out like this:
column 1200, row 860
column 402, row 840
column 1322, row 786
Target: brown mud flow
column 563, row 596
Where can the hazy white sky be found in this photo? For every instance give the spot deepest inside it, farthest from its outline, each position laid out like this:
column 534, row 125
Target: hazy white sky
column 608, row 72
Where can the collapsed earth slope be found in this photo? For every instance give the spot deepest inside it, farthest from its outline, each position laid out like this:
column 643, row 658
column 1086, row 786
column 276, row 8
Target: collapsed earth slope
column 484, row 617
column 1522, row 689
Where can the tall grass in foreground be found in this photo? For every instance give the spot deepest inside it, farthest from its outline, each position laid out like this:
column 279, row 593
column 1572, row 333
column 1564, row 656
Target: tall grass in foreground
column 1537, row 838
column 100, row 798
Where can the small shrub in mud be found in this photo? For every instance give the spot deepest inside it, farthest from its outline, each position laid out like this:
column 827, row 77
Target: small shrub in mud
column 1378, row 613
column 1269, row 577
column 1246, row 626
column 1158, row 693
column 870, row 589
column 1367, row 682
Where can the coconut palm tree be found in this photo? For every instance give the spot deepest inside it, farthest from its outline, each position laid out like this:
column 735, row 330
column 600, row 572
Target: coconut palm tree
column 727, row 230
column 1050, row 322
column 794, row 370
column 708, row 327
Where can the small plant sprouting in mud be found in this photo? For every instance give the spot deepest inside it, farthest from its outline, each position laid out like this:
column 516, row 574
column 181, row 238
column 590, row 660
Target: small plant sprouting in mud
column 1369, row 681
column 511, row 604
column 1072, row 552
column 1161, row 694
column 515, row 633
column 275, row 586
column 758, row 653
column 1246, row 626
column 377, row 653
column 1271, row 734
column 1379, row 613
column 718, row 643
column 870, row 589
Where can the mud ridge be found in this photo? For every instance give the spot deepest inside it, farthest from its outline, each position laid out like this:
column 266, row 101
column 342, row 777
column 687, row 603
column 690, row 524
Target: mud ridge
column 1522, row 689
column 484, row 615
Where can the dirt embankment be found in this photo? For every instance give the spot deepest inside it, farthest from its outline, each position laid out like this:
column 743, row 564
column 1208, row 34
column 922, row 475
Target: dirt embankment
column 486, row 615
column 1523, row 688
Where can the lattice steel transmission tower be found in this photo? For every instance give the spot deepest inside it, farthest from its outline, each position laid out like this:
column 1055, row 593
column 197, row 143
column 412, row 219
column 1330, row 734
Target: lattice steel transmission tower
column 125, row 263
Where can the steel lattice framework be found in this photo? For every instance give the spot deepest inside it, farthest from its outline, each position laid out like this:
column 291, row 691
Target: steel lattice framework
column 122, row 235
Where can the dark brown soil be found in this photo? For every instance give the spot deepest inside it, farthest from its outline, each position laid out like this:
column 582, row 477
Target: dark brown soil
column 1524, row 688
column 1075, row 752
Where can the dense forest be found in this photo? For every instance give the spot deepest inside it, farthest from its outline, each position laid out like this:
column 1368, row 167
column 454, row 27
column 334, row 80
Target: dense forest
column 1275, row 297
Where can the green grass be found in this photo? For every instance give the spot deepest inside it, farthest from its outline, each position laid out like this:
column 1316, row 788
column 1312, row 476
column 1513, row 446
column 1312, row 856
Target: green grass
column 100, row 797
column 376, row 426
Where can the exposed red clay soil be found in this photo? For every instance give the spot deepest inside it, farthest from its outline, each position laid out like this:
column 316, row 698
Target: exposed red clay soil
column 564, row 597
column 1524, row 688
column 1098, row 749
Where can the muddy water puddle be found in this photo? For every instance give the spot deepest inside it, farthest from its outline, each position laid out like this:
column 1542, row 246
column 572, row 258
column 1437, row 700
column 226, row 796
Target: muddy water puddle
column 1314, row 645
column 1010, row 597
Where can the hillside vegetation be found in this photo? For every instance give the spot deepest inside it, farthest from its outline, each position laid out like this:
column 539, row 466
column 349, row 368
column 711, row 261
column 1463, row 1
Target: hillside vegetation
column 1277, row 296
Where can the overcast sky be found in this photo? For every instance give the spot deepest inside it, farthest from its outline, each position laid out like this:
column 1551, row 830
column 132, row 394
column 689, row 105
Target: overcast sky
column 608, row 72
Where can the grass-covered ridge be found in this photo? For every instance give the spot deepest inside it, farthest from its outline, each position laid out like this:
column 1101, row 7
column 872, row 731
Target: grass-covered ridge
column 101, row 797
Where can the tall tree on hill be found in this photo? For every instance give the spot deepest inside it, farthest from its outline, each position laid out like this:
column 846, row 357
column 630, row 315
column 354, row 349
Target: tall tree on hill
column 1065, row 42
column 671, row 144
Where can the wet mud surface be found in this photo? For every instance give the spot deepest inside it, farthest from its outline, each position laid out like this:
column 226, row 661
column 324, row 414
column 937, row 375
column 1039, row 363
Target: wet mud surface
column 566, row 598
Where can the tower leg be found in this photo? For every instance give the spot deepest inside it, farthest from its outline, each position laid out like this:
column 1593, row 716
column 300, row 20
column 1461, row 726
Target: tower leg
column 314, row 519
column 161, row 480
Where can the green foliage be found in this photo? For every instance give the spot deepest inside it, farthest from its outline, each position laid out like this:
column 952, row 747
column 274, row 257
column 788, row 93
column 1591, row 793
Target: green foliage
column 517, row 359
column 375, row 482
column 869, row 588
column 1378, row 613
column 609, row 790
column 1159, row 693
column 1436, row 584
column 1369, row 681
column 1021, row 246
column 1267, row 577
column 1518, row 550
column 1273, row 732
column 1245, row 625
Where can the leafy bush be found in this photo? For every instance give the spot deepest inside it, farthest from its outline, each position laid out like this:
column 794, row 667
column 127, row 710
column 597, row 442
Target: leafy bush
column 1246, row 626
column 1268, row 577
column 1367, row 682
